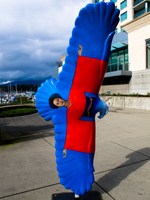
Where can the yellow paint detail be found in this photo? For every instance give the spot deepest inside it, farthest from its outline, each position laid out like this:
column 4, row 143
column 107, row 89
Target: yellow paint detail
column 88, row 112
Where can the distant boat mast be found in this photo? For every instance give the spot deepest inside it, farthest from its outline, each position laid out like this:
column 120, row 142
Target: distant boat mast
column 16, row 88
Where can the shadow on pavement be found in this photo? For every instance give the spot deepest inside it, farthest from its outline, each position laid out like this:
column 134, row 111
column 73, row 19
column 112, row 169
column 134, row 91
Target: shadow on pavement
column 113, row 178
column 11, row 134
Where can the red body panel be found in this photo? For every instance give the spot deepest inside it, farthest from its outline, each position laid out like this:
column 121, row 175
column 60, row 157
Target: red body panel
column 88, row 77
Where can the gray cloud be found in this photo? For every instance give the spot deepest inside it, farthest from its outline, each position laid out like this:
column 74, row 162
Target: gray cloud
column 34, row 35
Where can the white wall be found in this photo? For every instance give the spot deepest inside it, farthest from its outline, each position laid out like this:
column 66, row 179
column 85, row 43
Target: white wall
column 137, row 48
column 140, row 82
column 138, row 32
column 122, row 89
column 127, row 102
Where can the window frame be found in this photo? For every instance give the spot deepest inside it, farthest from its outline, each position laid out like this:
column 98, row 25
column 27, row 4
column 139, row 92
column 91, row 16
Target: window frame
column 114, row 1
column 123, row 4
column 147, row 50
column 126, row 16
column 114, row 56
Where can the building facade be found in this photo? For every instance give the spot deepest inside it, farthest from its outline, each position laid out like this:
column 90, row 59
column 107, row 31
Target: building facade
column 129, row 64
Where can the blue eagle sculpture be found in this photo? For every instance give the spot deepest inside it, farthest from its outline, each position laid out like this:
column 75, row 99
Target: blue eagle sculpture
column 79, row 83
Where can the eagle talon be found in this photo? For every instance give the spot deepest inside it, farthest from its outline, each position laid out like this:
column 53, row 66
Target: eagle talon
column 64, row 153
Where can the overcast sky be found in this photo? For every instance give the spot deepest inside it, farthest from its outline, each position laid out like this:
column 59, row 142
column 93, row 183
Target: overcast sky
column 34, row 34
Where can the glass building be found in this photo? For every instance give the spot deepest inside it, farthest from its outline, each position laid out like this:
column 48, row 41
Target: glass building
column 129, row 63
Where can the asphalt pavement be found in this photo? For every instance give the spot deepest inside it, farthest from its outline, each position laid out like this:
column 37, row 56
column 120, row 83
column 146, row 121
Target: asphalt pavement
column 122, row 157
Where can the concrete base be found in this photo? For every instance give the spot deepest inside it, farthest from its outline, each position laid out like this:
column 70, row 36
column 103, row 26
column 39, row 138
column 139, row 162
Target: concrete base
column 92, row 195
column 127, row 102
column 63, row 196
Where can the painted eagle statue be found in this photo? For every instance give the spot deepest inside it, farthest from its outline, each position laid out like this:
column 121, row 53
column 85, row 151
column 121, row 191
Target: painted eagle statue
column 79, row 83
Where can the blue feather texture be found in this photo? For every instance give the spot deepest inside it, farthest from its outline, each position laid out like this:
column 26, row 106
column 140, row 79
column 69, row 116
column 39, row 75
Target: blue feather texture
column 94, row 30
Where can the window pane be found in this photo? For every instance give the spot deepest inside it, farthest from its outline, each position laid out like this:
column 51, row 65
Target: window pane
column 114, row 67
column 114, row 1
column 114, row 58
column 108, row 68
column 121, row 62
column 139, row 13
column 121, row 52
column 126, row 56
column 123, row 4
column 124, row 16
column 118, row 60
column 148, row 54
column 126, row 66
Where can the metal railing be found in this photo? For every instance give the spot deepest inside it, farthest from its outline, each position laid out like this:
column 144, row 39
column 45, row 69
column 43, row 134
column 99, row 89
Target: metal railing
column 138, row 1
column 118, row 66
column 138, row 14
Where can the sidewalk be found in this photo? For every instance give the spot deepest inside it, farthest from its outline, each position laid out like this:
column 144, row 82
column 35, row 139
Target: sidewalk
column 122, row 158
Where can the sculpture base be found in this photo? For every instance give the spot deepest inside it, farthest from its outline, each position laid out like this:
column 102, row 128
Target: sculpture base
column 92, row 195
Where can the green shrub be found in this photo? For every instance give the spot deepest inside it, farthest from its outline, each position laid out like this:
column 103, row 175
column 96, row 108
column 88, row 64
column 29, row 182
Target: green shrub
column 23, row 100
column 148, row 94
column 17, row 112
column 103, row 94
column 128, row 95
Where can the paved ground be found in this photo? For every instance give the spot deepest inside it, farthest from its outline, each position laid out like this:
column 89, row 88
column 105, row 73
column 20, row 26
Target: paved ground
column 122, row 159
